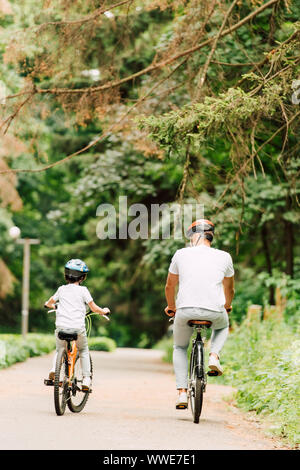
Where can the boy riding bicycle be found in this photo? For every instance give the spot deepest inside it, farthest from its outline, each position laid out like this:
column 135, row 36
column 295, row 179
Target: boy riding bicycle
column 72, row 299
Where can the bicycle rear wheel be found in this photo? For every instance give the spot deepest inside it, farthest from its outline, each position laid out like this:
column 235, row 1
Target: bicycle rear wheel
column 196, row 382
column 61, row 382
column 78, row 398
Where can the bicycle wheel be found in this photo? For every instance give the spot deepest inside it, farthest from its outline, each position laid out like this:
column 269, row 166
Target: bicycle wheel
column 78, row 399
column 196, row 382
column 61, row 387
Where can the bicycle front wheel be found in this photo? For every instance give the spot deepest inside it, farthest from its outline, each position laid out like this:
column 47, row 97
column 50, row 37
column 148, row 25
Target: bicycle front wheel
column 78, row 398
column 61, row 382
column 196, row 383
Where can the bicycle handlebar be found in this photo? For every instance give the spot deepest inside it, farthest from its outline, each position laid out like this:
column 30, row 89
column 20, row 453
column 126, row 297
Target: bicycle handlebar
column 106, row 317
column 50, row 311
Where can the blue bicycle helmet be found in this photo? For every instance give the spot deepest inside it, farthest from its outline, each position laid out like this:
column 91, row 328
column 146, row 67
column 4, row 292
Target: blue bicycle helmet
column 76, row 269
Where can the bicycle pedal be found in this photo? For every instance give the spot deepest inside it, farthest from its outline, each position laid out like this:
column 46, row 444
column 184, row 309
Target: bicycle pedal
column 86, row 390
column 48, row 382
column 181, row 406
column 212, row 373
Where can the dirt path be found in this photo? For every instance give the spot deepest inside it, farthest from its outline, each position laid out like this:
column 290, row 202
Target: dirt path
column 132, row 407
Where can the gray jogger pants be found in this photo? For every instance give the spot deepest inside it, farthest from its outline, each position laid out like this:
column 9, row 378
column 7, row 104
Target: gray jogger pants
column 182, row 333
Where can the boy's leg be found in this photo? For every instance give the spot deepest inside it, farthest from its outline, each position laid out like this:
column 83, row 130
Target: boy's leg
column 82, row 345
column 59, row 344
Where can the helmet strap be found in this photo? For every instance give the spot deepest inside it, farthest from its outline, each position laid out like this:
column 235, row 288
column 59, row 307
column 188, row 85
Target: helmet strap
column 203, row 235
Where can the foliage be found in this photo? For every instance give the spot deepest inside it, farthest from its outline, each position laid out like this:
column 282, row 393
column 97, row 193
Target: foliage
column 261, row 360
column 13, row 348
column 81, row 79
column 98, row 343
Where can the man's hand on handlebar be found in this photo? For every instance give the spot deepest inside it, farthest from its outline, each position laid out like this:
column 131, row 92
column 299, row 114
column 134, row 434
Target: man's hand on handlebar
column 170, row 311
column 228, row 309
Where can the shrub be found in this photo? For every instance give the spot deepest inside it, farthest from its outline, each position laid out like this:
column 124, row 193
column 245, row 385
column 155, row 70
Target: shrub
column 261, row 360
column 13, row 348
column 101, row 343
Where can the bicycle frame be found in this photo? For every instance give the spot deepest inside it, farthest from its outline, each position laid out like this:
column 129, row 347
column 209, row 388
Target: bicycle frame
column 72, row 354
column 198, row 343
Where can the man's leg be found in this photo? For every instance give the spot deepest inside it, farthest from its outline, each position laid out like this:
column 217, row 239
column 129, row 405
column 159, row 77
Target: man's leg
column 182, row 335
column 218, row 339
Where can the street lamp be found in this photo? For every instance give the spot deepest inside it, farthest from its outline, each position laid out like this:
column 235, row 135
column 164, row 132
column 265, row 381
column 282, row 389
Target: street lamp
column 15, row 233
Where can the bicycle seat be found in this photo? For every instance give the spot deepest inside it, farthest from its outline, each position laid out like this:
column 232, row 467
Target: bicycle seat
column 200, row 323
column 70, row 336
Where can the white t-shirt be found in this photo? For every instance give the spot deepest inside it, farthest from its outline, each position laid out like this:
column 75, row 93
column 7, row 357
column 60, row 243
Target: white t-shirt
column 201, row 270
column 71, row 309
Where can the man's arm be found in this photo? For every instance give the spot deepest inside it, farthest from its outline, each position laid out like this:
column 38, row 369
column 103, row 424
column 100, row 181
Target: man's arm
column 172, row 281
column 228, row 284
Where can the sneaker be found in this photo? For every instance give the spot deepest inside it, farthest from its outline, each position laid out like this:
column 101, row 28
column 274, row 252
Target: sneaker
column 51, row 375
column 86, row 383
column 214, row 365
column 182, row 402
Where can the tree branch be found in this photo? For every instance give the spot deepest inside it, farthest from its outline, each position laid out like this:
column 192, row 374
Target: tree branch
column 161, row 64
column 253, row 155
column 86, row 19
column 202, row 76
column 100, row 138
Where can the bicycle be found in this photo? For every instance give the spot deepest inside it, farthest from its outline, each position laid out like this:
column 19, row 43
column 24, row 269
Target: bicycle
column 68, row 374
column 197, row 378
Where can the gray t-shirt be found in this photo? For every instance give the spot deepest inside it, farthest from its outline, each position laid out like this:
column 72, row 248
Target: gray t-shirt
column 71, row 309
column 201, row 270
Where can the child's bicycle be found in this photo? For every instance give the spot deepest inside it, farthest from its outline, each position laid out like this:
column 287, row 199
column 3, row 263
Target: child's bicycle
column 68, row 376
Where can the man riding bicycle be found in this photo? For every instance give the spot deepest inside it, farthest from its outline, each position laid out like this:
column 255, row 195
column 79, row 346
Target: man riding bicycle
column 206, row 290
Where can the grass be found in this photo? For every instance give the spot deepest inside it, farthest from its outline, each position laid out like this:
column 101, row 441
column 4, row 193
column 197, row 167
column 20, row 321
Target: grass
column 262, row 361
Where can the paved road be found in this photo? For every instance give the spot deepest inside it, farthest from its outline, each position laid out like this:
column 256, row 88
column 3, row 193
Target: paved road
column 131, row 407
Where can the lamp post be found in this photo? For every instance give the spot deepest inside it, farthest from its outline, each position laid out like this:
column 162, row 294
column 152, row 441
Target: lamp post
column 15, row 233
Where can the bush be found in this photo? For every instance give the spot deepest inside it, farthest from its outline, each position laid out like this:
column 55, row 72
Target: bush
column 262, row 359
column 13, row 348
column 101, row 343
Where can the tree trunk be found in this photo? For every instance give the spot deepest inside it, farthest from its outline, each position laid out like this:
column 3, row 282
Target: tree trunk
column 264, row 235
column 289, row 243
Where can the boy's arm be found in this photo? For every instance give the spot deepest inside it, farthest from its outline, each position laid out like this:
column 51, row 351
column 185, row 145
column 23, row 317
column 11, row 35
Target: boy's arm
column 96, row 309
column 50, row 303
